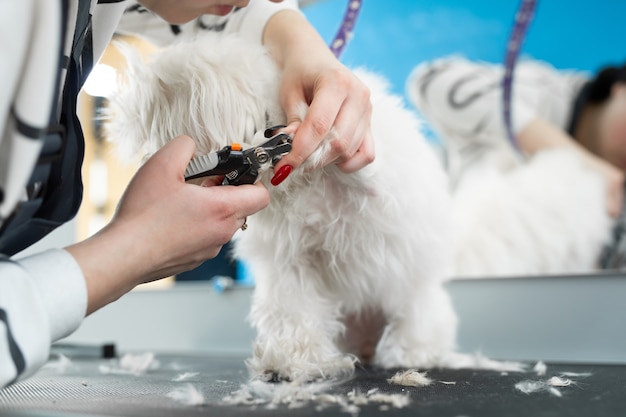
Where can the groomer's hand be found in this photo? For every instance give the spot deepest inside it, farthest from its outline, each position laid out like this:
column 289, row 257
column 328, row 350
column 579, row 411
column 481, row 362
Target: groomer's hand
column 313, row 77
column 163, row 226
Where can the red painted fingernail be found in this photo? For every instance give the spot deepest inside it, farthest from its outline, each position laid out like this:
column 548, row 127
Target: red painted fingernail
column 281, row 174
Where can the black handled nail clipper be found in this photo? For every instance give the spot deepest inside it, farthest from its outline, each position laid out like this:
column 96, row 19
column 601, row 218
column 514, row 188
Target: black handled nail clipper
column 241, row 166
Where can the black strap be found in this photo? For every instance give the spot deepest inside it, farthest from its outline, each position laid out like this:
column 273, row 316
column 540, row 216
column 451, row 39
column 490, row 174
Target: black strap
column 55, row 187
column 64, row 192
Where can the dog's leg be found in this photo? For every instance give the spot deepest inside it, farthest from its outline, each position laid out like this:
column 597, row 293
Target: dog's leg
column 421, row 331
column 297, row 328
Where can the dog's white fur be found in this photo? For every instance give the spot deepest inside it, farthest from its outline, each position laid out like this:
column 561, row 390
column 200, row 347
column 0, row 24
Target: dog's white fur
column 341, row 261
column 543, row 216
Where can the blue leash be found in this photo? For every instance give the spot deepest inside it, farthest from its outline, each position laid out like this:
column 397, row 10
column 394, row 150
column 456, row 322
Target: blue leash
column 522, row 20
column 344, row 34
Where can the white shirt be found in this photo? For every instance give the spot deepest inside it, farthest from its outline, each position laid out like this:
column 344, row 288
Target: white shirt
column 462, row 101
column 43, row 297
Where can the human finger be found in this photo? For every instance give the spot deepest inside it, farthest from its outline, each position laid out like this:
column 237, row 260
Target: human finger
column 173, row 157
column 364, row 156
column 315, row 127
column 246, row 199
column 211, row 181
column 352, row 129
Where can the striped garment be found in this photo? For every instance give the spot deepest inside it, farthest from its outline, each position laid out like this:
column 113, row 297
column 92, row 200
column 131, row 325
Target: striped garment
column 462, row 101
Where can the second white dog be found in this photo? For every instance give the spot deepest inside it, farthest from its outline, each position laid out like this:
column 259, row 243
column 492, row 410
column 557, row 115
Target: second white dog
column 346, row 265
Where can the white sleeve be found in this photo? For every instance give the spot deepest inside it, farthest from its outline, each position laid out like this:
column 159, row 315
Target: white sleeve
column 462, row 100
column 249, row 21
column 43, row 298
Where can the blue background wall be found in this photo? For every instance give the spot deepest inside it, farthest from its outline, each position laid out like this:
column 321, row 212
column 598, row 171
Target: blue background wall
column 392, row 36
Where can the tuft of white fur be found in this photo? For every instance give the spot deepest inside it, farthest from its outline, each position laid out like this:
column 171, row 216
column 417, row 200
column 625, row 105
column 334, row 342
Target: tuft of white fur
column 134, row 364
column 410, row 378
column 531, row 387
column 540, row 368
column 61, row 364
column 545, row 216
column 330, row 244
column 185, row 376
column 549, row 385
column 187, row 394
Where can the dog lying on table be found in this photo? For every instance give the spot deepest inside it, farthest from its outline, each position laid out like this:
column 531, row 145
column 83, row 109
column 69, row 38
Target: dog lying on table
column 347, row 267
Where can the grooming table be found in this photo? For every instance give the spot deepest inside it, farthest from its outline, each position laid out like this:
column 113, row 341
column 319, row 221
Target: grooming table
column 81, row 389
column 573, row 323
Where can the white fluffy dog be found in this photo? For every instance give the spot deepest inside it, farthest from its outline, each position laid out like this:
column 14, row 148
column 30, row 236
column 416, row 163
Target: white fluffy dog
column 543, row 216
column 346, row 265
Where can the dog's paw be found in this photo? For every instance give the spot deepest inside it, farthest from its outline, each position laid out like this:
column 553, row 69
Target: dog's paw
column 277, row 366
column 272, row 377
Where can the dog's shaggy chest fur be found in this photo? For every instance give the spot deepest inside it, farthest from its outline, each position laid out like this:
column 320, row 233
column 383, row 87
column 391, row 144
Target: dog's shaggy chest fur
column 368, row 250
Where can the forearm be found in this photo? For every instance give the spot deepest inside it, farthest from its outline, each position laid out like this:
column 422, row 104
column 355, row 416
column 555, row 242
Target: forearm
column 288, row 31
column 125, row 254
column 540, row 135
column 112, row 263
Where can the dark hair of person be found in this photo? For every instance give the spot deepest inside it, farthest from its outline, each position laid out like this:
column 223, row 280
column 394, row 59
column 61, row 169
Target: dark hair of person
column 600, row 87
column 596, row 91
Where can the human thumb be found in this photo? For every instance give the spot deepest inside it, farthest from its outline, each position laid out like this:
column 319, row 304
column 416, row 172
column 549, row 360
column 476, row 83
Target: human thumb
column 174, row 156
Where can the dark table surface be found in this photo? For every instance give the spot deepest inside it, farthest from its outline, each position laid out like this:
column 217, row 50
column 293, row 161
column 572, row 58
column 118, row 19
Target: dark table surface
column 94, row 387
